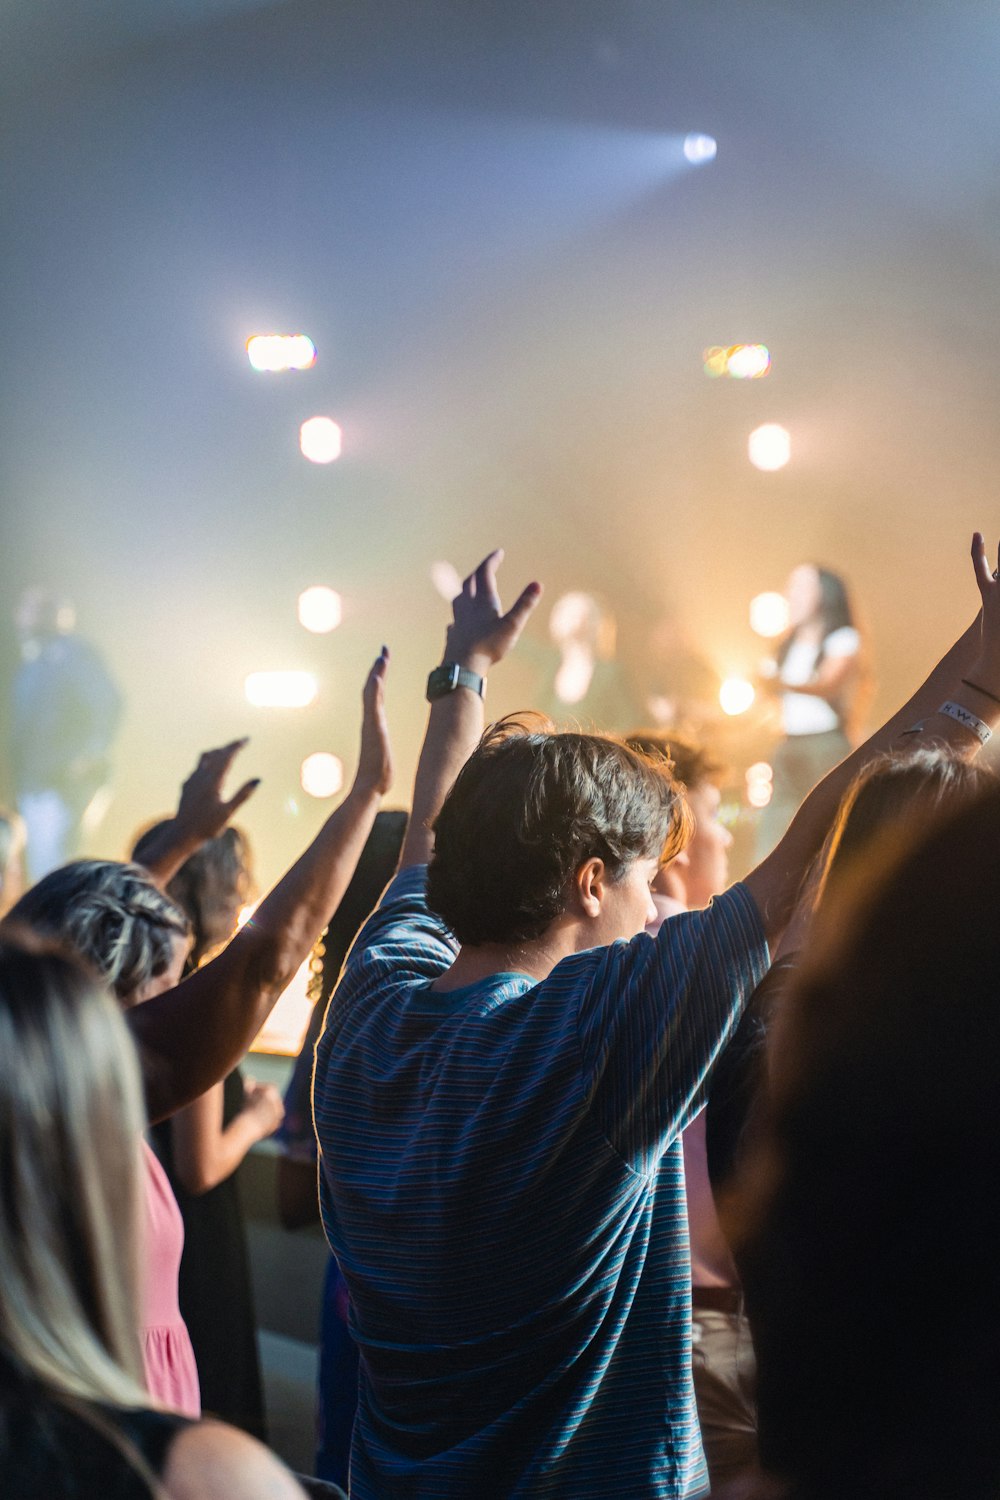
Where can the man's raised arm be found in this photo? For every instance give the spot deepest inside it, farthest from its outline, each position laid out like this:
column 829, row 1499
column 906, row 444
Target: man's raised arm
column 960, row 702
column 479, row 636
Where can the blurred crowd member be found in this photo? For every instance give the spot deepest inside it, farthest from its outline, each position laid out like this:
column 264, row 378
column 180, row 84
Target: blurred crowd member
column 913, row 785
column 202, row 1146
column 498, row 1071
column 869, row 1207
column 12, row 841
column 138, row 939
column 816, row 673
column 65, row 714
column 75, row 1417
column 722, row 1359
column 298, row 1191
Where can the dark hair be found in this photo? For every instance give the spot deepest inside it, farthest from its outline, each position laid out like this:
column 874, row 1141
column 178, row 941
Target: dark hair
column 525, row 812
column 691, row 762
column 879, row 1182
column 210, row 887
column 834, row 610
column 111, row 913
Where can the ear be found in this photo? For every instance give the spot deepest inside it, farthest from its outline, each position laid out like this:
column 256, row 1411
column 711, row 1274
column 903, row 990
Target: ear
column 590, row 884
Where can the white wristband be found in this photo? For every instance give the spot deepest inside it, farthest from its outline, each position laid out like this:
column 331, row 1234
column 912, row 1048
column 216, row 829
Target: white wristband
column 968, row 720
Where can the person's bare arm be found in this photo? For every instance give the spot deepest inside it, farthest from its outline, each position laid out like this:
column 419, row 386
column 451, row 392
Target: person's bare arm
column 776, row 882
column 830, row 679
column 205, row 1151
column 190, row 1037
column 202, row 813
column 211, row 1461
column 479, row 636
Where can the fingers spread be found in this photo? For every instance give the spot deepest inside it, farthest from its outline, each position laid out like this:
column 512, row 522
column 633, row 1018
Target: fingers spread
column 246, row 791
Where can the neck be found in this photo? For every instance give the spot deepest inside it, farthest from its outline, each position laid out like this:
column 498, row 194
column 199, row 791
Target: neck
column 537, row 959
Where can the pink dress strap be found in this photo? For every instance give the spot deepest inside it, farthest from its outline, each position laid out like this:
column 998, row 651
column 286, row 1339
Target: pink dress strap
column 171, row 1372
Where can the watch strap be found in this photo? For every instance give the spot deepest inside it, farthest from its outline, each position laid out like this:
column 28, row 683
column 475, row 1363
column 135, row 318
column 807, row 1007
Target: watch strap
column 449, row 676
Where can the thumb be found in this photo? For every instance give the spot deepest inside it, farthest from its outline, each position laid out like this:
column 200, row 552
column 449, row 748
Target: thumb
column 245, row 792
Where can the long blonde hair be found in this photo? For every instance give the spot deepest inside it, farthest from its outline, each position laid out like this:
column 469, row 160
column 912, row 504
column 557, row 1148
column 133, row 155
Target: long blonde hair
column 71, row 1118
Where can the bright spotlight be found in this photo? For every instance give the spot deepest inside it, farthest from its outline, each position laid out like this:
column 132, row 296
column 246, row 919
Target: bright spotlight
column 739, row 361
column 748, row 361
column 275, row 352
column 322, row 774
column 700, row 148
column 447, row 580
column 319, row 609
column 760, row 771
column 280, row 689
column 769, row 615
column 320, row 440
column 769, row 447
column 759, row 793
column 736, row 695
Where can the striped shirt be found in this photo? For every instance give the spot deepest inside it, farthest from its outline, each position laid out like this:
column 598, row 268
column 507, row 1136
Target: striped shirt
column 502, row 1184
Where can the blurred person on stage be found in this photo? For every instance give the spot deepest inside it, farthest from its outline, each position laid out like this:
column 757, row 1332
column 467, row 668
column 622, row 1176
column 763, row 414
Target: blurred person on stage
column 820, row 677
column 65, row 712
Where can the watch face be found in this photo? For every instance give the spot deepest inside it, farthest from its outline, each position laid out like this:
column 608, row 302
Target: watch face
column 442, row 680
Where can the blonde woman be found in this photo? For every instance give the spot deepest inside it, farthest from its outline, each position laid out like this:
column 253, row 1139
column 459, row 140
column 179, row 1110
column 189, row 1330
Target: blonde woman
column 74, row 1415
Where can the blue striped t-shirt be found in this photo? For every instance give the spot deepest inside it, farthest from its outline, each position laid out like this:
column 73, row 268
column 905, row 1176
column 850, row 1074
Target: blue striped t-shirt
column 503, row 1187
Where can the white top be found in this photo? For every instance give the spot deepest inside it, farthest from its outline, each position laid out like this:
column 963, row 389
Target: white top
column 805, row 713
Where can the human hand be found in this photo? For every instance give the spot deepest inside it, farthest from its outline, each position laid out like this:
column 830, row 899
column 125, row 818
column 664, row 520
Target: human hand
column 374, row 773
column 263, row 1103
column 986, row 670
column 480, row 634
column 203, row 812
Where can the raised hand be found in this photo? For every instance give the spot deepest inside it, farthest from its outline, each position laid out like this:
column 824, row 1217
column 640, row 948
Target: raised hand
column 203, row 812
column 375, row 759
column 481, row 634
column 986, row 670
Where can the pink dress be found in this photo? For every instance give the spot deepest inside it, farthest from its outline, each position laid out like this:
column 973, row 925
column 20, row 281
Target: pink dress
column 171, row 1372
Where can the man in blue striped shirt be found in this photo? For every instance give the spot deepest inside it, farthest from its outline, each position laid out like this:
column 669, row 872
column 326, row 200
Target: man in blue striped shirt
column 504, row 1075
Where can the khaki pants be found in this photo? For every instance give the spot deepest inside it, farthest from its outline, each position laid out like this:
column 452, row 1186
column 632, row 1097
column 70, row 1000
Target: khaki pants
column 725, row 1373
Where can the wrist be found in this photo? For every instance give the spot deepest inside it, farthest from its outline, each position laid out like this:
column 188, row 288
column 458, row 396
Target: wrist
column 471, row 657
column 982, row 683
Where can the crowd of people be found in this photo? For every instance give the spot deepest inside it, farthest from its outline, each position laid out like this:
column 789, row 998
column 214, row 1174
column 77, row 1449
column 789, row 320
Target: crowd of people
column 635, row 1181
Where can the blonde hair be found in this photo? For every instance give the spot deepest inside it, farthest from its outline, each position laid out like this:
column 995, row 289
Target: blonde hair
column 71, row 1118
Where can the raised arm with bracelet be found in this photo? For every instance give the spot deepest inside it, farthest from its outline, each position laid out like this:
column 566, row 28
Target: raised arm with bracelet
column 958, row 705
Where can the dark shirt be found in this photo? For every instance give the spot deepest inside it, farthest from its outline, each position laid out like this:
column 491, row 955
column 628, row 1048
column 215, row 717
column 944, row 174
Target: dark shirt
column 64, row 1449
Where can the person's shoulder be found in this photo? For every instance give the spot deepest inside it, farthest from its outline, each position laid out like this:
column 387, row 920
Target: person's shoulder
column 842, row 642
column 211, row 1461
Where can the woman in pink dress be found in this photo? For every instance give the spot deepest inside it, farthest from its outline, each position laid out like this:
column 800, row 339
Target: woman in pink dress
column 191, row 1035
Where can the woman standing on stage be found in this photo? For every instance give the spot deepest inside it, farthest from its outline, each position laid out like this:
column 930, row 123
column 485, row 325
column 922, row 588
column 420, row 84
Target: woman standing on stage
column 818, row 672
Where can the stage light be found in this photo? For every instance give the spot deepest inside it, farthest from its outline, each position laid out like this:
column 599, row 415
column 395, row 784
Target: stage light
column 319, row 609
column 760, row 783
column 700, row 148
column 769, row 447
column 273, row 353
column 739, row 361
column 769, row 615
column 748, row 361
column 736, row 695
column 320, row 440
column 281, row 689
column 322, row 774
column 447, row 580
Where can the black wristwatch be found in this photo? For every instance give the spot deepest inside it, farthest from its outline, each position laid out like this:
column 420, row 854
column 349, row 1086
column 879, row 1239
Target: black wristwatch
column 449, row 676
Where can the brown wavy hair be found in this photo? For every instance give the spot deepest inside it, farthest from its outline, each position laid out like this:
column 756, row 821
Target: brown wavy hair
column 527, row 809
